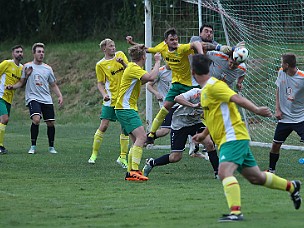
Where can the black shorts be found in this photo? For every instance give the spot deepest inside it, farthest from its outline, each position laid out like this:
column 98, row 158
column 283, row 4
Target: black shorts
column 43, row 110
column 168, row 119
column 179, row 137
column 283, row 130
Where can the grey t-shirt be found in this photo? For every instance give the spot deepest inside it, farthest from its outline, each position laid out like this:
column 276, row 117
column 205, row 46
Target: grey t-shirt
column 163, row 82
column 37, row 85
column 291, row 96
column 185, row 116
column 219, row 68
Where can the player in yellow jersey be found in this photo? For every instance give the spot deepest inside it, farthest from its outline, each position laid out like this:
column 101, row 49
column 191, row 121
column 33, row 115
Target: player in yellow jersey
column 177, row 57
column 10, row 74
column 229, row 132
column 126, row 107
column 109, row 72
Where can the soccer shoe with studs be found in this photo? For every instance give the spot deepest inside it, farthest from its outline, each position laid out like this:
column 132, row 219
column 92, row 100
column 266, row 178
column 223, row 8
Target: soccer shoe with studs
column 135, row 175
column 148, row 167
column 52, row 150
column 32, row 150
column 92, row 160
column 149, row 140
column 295, row 196
column 122, row 162
column 231, row 218
column 3, row 150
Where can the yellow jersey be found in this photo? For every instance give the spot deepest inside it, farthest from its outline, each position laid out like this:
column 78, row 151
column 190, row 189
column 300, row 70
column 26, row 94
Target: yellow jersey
column 10, row 74
column 222, row 117
column 109, row 72
column 178, row 60
column 130, row 87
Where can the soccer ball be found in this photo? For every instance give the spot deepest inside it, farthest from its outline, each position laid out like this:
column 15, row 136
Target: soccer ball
column 240, row 54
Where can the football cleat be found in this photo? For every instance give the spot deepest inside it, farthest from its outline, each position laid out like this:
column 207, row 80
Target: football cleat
column 122, row 162
column 3, row 150
column 295, row 196
column 148, row 167
column 32, row 150
column 231, row 218
column 149, row 141
column 52, row 150
column 91, row 161
column 135, row 175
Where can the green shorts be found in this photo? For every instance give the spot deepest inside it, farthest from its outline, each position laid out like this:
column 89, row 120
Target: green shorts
column 238, row 152
column 129, row 120
column 176, row 89
column 5, row 107
column 108, row 113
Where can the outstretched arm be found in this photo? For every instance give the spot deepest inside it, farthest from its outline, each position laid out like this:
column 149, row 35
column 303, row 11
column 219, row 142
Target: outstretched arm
column 247, row 104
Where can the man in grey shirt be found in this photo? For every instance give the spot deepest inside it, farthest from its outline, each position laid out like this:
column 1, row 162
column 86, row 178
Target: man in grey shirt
column 38, row 97
column 289, row 106
column 206, row 35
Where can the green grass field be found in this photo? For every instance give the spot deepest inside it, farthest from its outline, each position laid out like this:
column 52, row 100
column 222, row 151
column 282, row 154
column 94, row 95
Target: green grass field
column 63, row 190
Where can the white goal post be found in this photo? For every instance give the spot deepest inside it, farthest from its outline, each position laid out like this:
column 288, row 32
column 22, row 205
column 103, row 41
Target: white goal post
column 269, row 28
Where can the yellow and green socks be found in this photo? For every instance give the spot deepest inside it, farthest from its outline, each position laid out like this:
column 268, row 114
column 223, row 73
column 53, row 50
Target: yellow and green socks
column 124, row 145
column 2, row 132
column 161, row 115
column 275, row 182
column 96, row 143
column 233, row 194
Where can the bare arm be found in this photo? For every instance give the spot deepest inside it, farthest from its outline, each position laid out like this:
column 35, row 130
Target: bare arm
column 183, row 101
column 56, row 90
column 197, row 46
column 239, row 82
column 247, row 104
column 278, row 112
column 200, row 137
column 22, row 81
column 153, row 74
column 150, row 88
column 102, row 90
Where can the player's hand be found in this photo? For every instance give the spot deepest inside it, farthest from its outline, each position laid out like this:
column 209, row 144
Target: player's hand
column 129, row 39
column 157, row 57
column 28, row 71
column 198, row 105
column 9, row 87
column 60, row 101
column 264, row 111
column 239, row 86
column 225, row 49
column 198, row 138
column 241, row 44
column 106, row 98
column 159, row 97
column 278, row 114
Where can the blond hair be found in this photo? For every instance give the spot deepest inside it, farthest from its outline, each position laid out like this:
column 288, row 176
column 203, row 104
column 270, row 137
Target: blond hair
column 137, row 51
column 35, row 45
column 104, row 42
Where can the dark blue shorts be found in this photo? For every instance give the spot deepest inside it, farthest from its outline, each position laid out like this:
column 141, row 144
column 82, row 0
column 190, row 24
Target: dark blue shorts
column 43, row 110
column 283, row 130
column 179, row 137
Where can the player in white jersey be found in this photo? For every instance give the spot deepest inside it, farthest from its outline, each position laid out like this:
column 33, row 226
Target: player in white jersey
column 186, row 120
column 226, row 69
column 38, row 97
column 289, row 106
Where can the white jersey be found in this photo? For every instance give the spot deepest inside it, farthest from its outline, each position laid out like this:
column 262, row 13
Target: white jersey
column 163, row 82
column 291, row 96
column 185, row 116
column 37, row 85
column 219, row 68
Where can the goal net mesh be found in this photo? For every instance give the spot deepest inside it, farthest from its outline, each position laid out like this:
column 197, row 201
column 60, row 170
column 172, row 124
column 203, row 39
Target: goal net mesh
column 269, row 28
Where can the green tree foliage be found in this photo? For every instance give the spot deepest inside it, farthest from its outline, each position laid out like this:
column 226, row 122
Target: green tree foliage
column 70, row 20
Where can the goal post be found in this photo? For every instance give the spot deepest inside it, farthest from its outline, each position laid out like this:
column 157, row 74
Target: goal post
column 269, row 28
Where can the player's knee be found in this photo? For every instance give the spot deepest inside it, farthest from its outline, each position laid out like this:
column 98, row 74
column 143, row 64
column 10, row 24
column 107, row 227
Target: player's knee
column 175, row 157
column 275, row 148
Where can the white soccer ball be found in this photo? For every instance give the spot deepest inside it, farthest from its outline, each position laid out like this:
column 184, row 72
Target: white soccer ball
column 240, row 54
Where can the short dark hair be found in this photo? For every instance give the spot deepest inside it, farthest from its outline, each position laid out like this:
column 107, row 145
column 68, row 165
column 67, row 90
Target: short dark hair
column 205, row 25
column 170, row 31
column 289, row 58
column 16, row 47
column 200, row 64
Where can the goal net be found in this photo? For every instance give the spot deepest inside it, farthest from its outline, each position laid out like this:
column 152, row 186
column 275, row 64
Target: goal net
column 269, row 28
